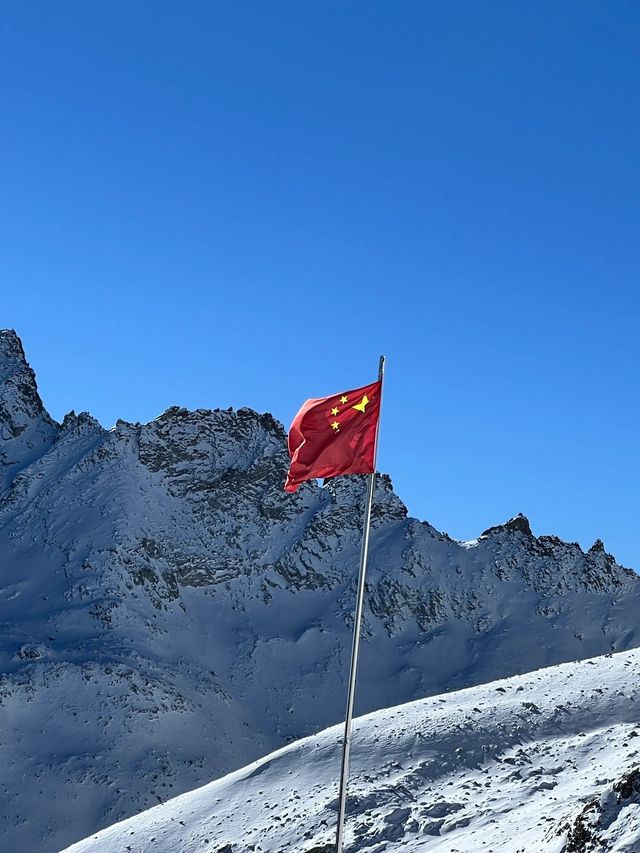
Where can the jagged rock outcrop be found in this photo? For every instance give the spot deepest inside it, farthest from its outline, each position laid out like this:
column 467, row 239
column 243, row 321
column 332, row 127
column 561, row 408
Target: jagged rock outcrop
column 169, row 612
column 26, row 430
column 519, row 522
column 607, row 821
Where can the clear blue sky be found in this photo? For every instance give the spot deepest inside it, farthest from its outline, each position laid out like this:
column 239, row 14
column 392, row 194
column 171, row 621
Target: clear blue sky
column 243, row 203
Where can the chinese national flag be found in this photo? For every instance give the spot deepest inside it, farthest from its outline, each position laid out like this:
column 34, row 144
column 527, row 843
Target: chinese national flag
column 335, row 435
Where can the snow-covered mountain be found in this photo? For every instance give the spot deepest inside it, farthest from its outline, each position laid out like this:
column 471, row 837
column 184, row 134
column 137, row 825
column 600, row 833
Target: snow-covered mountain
column 547, row 762
column 168, row 613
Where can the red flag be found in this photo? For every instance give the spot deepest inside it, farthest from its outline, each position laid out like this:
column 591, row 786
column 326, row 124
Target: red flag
column 335, row 435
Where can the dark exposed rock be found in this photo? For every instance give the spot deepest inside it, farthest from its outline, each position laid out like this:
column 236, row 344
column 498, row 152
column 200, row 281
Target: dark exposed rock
column 518, row 523
column 585, row 833
column 26, row 429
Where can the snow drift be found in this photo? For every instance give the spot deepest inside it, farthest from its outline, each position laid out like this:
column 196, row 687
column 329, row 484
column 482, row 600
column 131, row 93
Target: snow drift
column 546, row 762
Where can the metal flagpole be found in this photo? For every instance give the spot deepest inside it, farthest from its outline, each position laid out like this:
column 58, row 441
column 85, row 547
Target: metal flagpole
column 355, row 648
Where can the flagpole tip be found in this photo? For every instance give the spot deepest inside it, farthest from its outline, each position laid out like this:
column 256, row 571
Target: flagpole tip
column 381, row 368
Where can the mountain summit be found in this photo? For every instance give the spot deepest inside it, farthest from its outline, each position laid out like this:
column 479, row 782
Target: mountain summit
column 26, row 430
column 169, row 613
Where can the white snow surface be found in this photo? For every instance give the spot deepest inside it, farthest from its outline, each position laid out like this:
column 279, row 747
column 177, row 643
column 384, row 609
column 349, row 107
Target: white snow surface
column 168, row 613
column 541, row 763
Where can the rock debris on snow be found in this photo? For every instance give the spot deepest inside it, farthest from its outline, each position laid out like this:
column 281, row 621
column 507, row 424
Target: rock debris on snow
column 425, row 782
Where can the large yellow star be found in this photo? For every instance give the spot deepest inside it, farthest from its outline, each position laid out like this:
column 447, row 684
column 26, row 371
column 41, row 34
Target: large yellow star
column 335, row 426
column 344, row 400
column 334, row 411
column 362, row 405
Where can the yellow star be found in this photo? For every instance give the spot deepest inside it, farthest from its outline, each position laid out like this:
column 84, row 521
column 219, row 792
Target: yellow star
column 335, row 425
column 362, row 405
column 334, row 411
column 343, row 400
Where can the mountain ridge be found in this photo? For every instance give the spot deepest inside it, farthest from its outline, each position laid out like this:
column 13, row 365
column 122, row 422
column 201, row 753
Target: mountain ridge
column 169, row 613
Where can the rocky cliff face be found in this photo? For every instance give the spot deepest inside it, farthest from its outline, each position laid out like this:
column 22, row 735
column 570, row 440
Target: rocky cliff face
column 168, row 612
column 26, row 430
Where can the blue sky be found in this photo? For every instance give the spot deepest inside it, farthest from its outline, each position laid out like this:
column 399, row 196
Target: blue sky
column 241, row 203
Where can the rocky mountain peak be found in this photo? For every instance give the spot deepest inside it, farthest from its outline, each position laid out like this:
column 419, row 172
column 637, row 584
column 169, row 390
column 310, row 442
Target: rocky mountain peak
column 19, row 398
column 519, row 523
column 206, row 445
column 26, row 428
column 11, row 350
column 73, row 421
column 349, row 492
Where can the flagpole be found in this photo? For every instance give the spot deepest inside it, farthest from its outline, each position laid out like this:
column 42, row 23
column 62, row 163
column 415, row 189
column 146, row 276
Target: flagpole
column 355, row 648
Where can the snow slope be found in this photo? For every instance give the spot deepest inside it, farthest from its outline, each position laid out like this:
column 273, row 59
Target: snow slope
column 168, row 613
column 541, row 763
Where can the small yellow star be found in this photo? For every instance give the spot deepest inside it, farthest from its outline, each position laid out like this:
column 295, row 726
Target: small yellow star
column 335, row 425
column 343, row 400
column 334, row 411
column 362, row 405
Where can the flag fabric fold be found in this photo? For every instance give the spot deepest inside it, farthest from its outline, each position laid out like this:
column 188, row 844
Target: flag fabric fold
column 335, row 435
